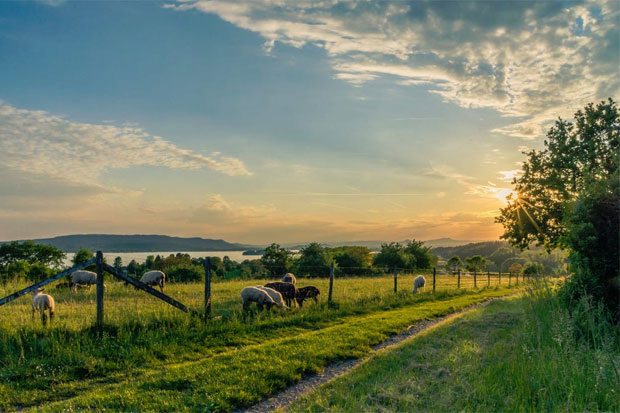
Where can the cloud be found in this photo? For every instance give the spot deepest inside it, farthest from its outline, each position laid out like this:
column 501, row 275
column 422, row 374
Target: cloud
column 531, row 60
column 42, row 145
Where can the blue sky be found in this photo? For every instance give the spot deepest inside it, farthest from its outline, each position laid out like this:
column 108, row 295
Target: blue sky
column 263, row 122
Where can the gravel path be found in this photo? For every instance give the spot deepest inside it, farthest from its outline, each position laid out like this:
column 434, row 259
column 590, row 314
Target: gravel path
column 289, row 395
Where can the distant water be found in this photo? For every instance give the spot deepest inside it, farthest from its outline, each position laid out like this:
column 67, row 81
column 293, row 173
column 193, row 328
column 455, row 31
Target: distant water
column 140, row 257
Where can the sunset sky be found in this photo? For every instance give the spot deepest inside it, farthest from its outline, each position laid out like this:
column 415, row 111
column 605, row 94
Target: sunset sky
column 285, row 121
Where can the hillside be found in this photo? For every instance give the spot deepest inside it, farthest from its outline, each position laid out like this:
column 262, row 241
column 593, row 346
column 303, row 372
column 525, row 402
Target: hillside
column 476, row 248
column 137, row 243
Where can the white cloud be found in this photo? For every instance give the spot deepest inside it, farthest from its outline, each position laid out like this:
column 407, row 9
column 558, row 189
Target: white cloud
column 535, row 60
column 40, row 144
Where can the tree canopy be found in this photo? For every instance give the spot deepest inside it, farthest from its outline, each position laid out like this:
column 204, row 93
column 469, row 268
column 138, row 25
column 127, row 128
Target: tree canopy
column 276, row 259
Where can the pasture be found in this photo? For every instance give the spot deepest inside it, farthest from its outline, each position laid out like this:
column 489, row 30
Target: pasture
column 152, row 356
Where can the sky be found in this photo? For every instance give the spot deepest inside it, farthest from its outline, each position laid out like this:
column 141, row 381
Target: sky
column 277, row 121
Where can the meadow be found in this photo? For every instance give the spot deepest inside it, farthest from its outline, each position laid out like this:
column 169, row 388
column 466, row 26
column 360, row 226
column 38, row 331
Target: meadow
column 151, row 356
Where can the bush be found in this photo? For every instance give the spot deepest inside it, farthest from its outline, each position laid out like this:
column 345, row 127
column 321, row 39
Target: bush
column 185, row 274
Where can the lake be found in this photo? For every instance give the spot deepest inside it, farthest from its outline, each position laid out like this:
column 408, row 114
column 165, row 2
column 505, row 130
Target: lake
column 140, row 257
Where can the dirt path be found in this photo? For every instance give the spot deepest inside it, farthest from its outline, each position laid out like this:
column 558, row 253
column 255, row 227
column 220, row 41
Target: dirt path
column 305, row 386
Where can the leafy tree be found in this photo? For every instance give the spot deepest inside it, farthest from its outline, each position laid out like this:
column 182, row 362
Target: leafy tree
column 353, row 260
column 276, row 259
column 454, row 264
column 568, row 197
column 31, row 253
column 392, row 255
column 533, row 269
column 133, row 268
column 118, row 263
column 514, row 260
column 515, row 268
column 82, row 256
column 149, row 264
column 315, row 261
column 477, row 263
column 422, row 257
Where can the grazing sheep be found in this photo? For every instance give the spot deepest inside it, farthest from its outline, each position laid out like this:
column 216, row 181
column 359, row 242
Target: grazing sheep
column 307, row 292
column 41, row 303
column 154, row 278
column 275, row 296
column 288, row 291
column 289, row 278
column 419, row 282
column 60, row 286
column 256, row 295
column 82, row 277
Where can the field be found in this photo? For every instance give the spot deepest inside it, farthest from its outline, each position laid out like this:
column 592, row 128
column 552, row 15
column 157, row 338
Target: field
column 151, row 356
column 520, row 354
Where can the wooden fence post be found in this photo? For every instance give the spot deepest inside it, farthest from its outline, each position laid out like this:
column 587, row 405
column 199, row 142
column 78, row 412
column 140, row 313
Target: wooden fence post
column 207, row 264
column 99, row 290
column 517, row 279
column 475, row 283
column 434, row 276
column 395, row 279
column 499, row 278
column 458, row 282
column 488, row 278
column 509, row 278
column 331, row 283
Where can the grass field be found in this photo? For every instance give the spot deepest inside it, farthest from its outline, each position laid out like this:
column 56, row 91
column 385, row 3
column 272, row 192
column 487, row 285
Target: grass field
column 151, row 356
column 521, row 354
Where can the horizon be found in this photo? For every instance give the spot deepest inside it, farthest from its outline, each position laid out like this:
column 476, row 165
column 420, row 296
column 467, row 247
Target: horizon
column 274, row 123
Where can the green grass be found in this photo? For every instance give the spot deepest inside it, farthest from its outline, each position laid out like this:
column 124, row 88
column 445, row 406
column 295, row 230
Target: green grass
column 233, row 361
column 521, row 354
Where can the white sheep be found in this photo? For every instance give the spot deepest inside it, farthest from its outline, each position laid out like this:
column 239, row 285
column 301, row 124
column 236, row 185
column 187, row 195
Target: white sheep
column 256, row 295
column 289, row 278
column 154, row 278
column 41, row 303
column 82, row 277
column 419, row 282
column 275, row 296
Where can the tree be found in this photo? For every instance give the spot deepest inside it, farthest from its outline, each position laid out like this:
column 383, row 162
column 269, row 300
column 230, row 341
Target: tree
column 133, row 268
column 568, row 196
column 533, row 269
column 515, row 268
column 477, row 263
column 454, row 264
column 392, row 255
column 82, row 256
column 31, row 253
column 422, row 257
column 118, row 263
column 315, row 261
column 353, row 260
column 276, row 259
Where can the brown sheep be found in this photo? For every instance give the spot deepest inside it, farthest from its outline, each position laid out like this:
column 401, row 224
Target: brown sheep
column 288, row 291
column 307, row 292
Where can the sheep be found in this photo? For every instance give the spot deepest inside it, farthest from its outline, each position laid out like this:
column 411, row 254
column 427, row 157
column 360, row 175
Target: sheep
column 154, row 278
column 256, row 295
column 288, row 291
column 419, row 282
column 41, row 303
column 289, row 278
column 60, row 286
column 307, row 292
column 83, row 277
column 275, row 296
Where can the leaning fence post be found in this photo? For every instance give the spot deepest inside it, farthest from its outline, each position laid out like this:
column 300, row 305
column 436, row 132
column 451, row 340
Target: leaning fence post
column 458, row 282
column 509, row 278
column 395, row 279
column 475, row 283
column 99, row 289
column 331, row 282
column 488, row 278
column 434, row 276
column 207, row 264
column 499, row 278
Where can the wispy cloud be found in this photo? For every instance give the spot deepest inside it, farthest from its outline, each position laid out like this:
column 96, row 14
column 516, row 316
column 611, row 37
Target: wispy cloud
column 533, row 60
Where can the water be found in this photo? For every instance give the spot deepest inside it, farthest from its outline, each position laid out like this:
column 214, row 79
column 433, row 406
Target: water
column 140, row 257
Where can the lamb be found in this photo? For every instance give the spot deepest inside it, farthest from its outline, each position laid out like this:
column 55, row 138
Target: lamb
column 83, row 277
column 288, row 291
column 154, row 278
column 419, row 282
column 307, row 292
column 275, row 296
column 289, row 278
column 41, row 303
column 256, row 295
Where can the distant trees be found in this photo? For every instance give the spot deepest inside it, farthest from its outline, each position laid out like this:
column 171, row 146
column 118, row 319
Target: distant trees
column 391, row 256
column 454, row 264
column 422, row 257
column 315, row 261
column 568, row 196
column 353, row 260
column 81, row 256
column 477, row 263
column 276, row 259
column 27, row 260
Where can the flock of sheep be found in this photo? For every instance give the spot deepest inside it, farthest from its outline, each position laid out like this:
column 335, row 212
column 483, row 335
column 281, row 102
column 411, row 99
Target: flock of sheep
column 281, row 294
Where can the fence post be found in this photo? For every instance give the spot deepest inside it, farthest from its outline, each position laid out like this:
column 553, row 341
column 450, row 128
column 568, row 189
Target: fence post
column 488, row 278
column 509, row 278
column 475, row 283
column 458, row 282
column 434, row 276
column 99, row 290
column 517, row 283
column 499, row 278
column 331, row 283
column 395, row 279
column 207, row 264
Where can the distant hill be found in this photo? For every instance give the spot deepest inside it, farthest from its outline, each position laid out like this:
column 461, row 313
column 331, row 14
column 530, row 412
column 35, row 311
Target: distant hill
column 138, row 243
column 476, row 248
column 445, row 242
column 376, row 245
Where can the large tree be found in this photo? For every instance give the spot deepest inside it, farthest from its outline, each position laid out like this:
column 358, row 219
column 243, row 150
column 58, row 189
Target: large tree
column 568, row 196
column 315, row 261
column 276, row 259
